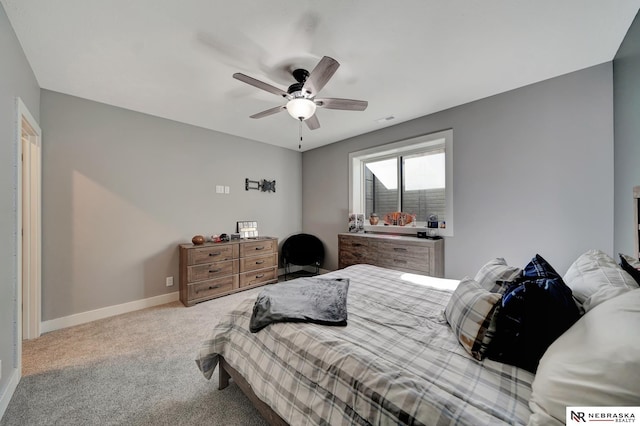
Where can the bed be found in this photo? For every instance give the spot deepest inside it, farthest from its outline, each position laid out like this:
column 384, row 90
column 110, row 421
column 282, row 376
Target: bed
column 396, row 362
column 419, row 350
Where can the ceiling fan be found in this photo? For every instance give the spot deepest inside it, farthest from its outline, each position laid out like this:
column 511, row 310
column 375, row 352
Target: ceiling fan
column 301, row 96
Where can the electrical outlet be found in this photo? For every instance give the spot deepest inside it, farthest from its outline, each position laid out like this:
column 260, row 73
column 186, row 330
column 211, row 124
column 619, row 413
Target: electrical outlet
column 169, row 281
column 219, row 189
column 226, row 189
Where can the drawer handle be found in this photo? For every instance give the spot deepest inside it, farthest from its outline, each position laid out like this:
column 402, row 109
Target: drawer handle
column 260, row 276
column 215, row 254
column 356, row 245
column 259, row 262
column 260, row 248
column 211, row 287
column 213, row 271
column 400, row 249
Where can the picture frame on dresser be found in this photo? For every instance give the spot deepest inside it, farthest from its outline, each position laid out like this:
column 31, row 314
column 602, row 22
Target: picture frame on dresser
column 247, row 228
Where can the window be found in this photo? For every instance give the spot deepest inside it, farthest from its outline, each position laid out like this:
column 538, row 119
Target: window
column 411, row 176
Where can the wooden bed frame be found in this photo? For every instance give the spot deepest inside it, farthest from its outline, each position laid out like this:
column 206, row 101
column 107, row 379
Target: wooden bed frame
column 226, row 372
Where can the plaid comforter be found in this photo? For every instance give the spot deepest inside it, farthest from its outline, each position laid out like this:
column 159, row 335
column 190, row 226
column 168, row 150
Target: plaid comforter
column 396, row 362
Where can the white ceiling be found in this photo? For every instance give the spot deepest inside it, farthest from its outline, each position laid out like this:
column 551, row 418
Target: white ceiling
column 175, row 59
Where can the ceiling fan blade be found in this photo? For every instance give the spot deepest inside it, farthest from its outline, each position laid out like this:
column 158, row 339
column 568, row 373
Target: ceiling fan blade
column 320, row 75
column 312, row 122
column 338, row 103
column 269, row 111
column 260, row 84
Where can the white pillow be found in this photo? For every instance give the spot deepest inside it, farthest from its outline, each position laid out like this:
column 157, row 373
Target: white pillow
column 602, row 295
column 594, row 363
column 593, row 270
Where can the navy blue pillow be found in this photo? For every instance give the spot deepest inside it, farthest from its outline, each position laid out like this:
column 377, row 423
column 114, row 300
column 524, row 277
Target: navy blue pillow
column 538, row 267
column 630, row 269
column 533, row 312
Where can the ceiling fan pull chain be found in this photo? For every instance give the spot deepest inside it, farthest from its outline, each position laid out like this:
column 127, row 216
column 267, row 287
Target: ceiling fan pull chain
column 300, row 144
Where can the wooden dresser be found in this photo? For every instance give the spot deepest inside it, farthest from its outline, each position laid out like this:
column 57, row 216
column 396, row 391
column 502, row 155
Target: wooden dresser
column 404, row 253
column 217, row 269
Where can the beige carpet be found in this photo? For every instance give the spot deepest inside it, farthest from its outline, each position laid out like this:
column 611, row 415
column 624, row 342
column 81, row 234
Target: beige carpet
column 132, row 369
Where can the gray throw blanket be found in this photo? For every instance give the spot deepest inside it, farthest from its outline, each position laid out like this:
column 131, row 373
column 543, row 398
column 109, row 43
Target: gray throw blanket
column 316, row 300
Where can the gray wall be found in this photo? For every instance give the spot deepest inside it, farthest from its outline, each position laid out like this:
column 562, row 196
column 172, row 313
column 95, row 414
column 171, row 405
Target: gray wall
column 626, row 104
column 532, row 173
column 122, row 189
column 16, row 80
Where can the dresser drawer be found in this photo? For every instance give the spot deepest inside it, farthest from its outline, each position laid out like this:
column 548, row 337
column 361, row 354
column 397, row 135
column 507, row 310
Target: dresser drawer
column 258, row 262
column 353, row 250
column 212, row 254
column 211, row 270
column 255, row 248
column 209, row 288
column 353, row 257
column 402, row 250
column 404, row 256
column 354, row 244
column 405, row 264
column 257, row 277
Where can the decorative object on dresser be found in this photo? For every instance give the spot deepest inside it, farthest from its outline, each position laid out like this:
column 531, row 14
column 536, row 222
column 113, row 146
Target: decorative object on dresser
column 398, row 218
column 247, row 228
column 198, row 240
column 402, row 253
column 356, row 222
column 432, row 227
column 217, row 269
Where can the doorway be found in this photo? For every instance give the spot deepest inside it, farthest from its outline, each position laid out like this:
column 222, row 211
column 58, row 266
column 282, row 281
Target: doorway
column 29, row 224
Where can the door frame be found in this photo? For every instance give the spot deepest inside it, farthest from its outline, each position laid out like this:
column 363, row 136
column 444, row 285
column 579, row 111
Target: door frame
column 29, row 227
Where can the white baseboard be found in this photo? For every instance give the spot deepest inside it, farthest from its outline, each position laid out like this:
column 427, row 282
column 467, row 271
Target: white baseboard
column 109, row 311
column 12, row 384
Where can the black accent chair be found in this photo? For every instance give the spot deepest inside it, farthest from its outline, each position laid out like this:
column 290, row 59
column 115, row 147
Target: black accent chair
column 302, row 250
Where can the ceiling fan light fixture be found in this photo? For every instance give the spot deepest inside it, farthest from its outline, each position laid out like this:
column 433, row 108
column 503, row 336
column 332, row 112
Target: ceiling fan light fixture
column 301, row 108
column 301, row 96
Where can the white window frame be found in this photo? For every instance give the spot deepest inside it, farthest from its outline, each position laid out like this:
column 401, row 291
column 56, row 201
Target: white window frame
column 404, row 147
